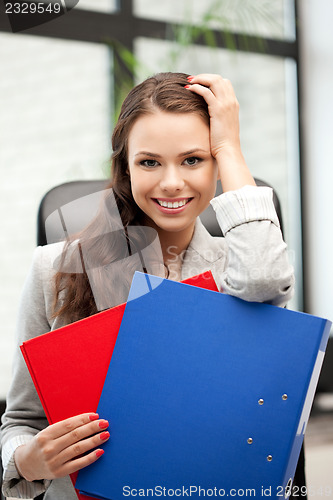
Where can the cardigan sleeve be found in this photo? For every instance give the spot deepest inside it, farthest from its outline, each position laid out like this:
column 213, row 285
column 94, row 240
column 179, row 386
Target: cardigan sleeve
column 258, row 267
column 24, row 416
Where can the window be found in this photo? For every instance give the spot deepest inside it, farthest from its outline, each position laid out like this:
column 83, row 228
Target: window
column 54, row 127
column 97, row 5
column 254, row 17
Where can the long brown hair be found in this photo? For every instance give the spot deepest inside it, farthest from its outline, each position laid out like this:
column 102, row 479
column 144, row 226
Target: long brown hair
column 74, row 298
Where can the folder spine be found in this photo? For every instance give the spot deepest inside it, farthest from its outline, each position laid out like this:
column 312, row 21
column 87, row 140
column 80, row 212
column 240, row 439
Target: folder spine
column 308, row 396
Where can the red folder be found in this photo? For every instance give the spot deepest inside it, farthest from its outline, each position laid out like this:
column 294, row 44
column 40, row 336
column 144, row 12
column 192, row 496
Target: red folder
column 68, row 366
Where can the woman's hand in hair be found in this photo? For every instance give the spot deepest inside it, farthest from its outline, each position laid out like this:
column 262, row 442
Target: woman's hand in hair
column 223, row 110
column 62, row 448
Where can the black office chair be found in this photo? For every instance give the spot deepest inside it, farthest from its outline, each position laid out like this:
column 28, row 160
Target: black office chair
column 65, row 193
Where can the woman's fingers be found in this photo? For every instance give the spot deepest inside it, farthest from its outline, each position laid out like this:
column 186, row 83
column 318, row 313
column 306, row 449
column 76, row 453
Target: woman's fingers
column 80, row 433
column 78, row 448
column 72, row 433
column 205, row 92
column 220, row 87
column 80, row 463
column 217, row 91
column 68, row 425
column 57, row 450
column 65, row 440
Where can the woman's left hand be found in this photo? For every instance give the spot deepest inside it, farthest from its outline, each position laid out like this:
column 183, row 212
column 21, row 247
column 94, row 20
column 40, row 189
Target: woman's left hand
column 223, row 108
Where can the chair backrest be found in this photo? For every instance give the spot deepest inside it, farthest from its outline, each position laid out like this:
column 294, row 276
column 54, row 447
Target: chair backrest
column 208, row 217
column 56, row 198
column 65, row 193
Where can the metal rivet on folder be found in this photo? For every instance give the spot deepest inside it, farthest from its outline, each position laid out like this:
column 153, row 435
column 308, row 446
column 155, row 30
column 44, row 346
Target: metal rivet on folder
column 250, row 440
column 285, row 397
column 261, row 401
column 269, row 458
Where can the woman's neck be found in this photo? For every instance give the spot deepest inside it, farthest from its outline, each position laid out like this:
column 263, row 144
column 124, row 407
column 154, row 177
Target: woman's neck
column 174, row 244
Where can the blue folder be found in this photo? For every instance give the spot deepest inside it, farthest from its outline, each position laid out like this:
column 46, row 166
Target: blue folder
column 206, row 395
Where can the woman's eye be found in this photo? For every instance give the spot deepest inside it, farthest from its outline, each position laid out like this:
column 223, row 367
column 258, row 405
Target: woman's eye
column 149, row 163
column 193, row 160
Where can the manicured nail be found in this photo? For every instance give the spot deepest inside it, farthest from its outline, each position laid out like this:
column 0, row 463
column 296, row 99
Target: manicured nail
column 94, row 417
column 190, row 78
column 105, row 435
column 99, row 453
column 187, row 86
column 103, row 424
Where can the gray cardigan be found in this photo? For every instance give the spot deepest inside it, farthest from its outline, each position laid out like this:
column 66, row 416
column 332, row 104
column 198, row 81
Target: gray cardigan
column 250, row 262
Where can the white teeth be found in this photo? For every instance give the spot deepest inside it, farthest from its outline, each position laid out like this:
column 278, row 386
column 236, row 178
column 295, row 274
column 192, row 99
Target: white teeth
column 170, row 204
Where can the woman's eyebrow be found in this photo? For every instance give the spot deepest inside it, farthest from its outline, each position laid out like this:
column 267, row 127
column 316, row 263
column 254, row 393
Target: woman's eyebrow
column 193, row 151
column 147, row 153
column 185, row 153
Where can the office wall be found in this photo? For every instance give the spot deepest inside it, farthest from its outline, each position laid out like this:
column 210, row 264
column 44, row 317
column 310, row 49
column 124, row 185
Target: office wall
column 316, row 37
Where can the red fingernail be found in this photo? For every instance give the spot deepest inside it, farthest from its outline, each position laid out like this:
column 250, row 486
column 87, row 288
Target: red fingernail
column 105, row 435
column 103, row 424
column 190, row 78
column 99, row 453
column 187, row 86
column 94, row 417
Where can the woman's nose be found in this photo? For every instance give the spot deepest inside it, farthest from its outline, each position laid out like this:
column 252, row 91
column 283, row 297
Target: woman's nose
column 172, row 179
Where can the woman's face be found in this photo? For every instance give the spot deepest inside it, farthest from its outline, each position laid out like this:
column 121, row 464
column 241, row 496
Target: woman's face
column 173, row 174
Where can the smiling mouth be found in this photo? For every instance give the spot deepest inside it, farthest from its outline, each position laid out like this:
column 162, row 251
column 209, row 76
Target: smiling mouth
column 172, row 204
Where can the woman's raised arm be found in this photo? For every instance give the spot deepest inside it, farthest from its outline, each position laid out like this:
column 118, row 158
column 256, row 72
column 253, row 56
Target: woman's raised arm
column 223, row 110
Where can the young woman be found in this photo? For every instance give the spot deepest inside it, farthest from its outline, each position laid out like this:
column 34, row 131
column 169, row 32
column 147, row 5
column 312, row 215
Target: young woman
column 176, row 135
